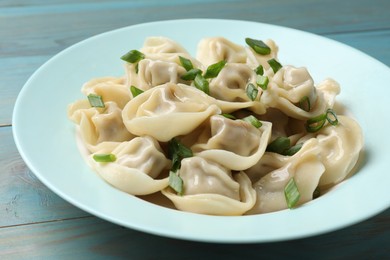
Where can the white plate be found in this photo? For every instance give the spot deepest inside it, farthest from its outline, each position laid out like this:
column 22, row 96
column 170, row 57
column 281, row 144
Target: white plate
column 46, row 140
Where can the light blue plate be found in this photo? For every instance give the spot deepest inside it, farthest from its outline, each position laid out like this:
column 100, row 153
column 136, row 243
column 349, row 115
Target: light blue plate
column 46, row 139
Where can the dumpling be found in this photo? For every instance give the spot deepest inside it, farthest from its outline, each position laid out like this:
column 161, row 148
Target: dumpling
column 99, row 125
column 305, row 167
column 152, row 73
column 214, row 49
column 159, row 111
column 235, row 144
column 340, row 149
column 161, row 45
column 212, row 189
column 291, row 85
column 109, row 88
column 138, row 164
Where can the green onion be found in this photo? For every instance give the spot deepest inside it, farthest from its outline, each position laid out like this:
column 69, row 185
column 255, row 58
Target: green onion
column 262, row 81
column 201, row 83
column 136, row 68
column 304, row 103
column 133, row 56
column 191, row 74
column 275, row 65
column 253, row 120
column 135, row 91
column 175, row 182
column 104, row 157
column 293, row 149
column 176, row 152
column 331, row 117
column 258, row 46
column 251, row 91
column 186, row 63
column 230, row 116
column 316, row 123
column 279, row 145
column 213, row 70
column 95, row 100
column 259, row 70
column 291, row 193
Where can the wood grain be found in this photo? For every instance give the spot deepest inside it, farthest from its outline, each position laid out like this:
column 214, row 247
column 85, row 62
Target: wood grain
column 23, row 198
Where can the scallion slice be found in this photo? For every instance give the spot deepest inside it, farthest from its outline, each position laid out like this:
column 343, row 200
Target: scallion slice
column 258, row 46
column 275, row 65
column 304, row 103
column 293, row 149
column 279, row 145
column 291, row 193
column 176, row 182
column 213, row 70
column 109, row 157
column 253, row 120
column 135, row 91
column 201, row 83
column 316, row 123
column 251, row 91
column 230, row 116
column 331, row 117
column 95, row 100
column 262, row 81
column 133, row 56
column 176, row 152
column 186, row 63
column 191, row 74
column 259, row 70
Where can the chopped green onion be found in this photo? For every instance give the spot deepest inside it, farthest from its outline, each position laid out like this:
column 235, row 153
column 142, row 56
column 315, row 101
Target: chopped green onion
column 316, row 123
column 175, row 182
column 253, row 120
column 95, row 100
column 191, row 74
column 104, row 157
column 331, row 117
column 251, row 91
column 213, row 70
column 186, row 63
column 262, row 81
column 304, row 103
column 291, row 193
column 136, row 68
column 201, row 83
column 259, row 70
column 135, row 91
column 230, row 116
column 275, row 65
column 176, row 152
column 293, row 149
column 133, row 56
column 279, row 145
column 258, row 46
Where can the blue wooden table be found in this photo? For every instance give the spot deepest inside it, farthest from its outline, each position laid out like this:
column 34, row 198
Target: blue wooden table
column 36, row 223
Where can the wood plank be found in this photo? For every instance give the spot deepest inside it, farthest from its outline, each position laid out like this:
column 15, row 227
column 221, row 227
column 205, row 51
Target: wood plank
column 94, row 238
column 23, row 198
column 19, row 26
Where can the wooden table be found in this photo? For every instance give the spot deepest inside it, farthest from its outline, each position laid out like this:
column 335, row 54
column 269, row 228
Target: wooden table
column 36, row 223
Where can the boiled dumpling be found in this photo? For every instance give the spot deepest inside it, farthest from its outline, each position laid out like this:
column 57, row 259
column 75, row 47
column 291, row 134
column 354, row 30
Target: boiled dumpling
column 235, row 144
column 138, row 163
column 209, row 188
column 305, row 167
column 168, row 111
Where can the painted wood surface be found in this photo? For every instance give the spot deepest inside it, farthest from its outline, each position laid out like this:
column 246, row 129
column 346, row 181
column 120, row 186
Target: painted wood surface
column 36, row 223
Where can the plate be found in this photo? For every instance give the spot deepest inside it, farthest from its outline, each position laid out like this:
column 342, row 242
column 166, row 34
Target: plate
column 46, row 140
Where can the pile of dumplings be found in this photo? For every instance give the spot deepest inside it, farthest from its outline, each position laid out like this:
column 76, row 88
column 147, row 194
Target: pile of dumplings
column 231, row 170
